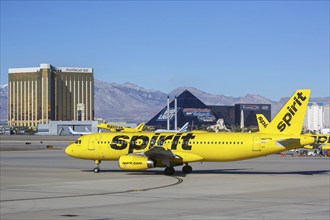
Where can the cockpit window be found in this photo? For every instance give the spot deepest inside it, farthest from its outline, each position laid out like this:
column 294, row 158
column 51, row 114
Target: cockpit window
column 78, row 142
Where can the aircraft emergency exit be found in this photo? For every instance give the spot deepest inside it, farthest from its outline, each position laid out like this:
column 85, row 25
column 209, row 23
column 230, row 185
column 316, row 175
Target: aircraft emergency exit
column 144, row 150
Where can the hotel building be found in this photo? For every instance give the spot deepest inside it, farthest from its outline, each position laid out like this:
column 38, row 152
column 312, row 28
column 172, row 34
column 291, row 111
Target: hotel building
column 317, row 117
column 38, row 95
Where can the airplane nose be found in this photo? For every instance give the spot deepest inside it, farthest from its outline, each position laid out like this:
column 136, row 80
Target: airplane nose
column 69, row 150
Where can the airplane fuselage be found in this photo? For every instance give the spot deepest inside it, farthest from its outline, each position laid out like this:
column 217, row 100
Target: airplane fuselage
column 208, row 146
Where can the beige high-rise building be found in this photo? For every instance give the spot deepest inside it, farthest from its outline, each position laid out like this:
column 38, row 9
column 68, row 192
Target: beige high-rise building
column 39, row 94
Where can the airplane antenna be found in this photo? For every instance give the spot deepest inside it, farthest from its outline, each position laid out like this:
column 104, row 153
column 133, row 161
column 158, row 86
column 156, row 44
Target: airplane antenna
column 168, row 112
column 176, row 113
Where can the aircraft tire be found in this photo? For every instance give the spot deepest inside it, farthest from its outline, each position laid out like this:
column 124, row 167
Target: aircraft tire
column 186, row 169
column 169, row 171
column 96, row 170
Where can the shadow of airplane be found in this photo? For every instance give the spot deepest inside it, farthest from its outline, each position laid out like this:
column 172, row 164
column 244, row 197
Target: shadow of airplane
column 243, row 171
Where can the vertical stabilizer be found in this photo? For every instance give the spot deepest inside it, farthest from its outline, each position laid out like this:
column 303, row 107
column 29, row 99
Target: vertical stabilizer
column 262, row 122
column 140, row 127
column 290, row 118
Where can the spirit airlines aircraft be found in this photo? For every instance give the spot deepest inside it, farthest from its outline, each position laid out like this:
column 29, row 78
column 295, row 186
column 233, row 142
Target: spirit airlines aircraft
column 115, row 128
column 320, row 140
column 144, row 150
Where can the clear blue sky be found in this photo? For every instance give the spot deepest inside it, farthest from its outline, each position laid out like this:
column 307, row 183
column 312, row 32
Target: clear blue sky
column 232, row 48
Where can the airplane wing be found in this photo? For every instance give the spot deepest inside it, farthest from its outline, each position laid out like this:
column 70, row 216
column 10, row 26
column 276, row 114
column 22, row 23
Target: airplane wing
column 159, row 152
column 168, row 157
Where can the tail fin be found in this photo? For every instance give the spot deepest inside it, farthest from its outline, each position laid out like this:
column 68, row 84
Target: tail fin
column 140, row 127
column 71, row 131
column 290, row 118
column 184, row 127
column 262, row 122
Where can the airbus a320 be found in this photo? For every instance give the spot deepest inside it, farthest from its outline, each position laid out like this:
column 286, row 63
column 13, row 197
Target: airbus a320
column 144, row 150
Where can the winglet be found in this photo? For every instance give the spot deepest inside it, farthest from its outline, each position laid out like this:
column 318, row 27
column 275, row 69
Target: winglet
column 290, row 118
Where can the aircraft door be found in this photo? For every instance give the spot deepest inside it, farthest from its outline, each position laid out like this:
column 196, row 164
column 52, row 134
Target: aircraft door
column 92, row 143
column 256, row 146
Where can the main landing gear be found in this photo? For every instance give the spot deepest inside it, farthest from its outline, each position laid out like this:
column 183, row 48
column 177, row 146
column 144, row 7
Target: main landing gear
column 186, row 169
column 97, row 167
column 169, row 171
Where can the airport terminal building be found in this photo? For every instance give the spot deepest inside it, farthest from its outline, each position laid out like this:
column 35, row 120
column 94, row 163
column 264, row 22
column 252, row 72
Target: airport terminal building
column 42, row 94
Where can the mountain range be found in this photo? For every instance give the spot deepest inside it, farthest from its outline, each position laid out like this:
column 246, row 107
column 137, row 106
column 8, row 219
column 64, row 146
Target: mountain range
column 133, row 103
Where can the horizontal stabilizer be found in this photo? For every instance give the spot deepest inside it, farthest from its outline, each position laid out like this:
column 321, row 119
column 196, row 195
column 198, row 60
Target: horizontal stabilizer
column 289, row 142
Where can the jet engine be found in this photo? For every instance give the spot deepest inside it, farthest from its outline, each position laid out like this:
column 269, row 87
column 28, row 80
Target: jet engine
column 135, row 162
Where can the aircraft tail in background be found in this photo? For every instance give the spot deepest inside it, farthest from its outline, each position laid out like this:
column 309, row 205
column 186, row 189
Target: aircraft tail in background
column 262, row 122
column 290, row 118
column 139, row 127
column 184, row 127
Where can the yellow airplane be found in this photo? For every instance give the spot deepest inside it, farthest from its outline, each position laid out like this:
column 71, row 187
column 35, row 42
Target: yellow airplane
column 144, row 150
column 116, row 128
column 320, row 140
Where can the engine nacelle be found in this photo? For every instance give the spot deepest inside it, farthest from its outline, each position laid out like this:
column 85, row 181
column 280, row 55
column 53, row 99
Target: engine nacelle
column 135, row 162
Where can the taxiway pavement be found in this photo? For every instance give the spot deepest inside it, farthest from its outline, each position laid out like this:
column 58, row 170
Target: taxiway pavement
column 47, row 184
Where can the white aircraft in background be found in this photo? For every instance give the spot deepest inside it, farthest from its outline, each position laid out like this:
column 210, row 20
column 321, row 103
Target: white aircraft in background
column 79, row 132
column 183, row 129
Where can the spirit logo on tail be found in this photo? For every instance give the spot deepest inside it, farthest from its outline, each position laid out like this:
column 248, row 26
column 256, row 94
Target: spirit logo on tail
column 292, row 109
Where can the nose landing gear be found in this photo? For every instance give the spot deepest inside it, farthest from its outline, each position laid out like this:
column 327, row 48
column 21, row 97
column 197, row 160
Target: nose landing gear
column 97, row 167
column 186, row 169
